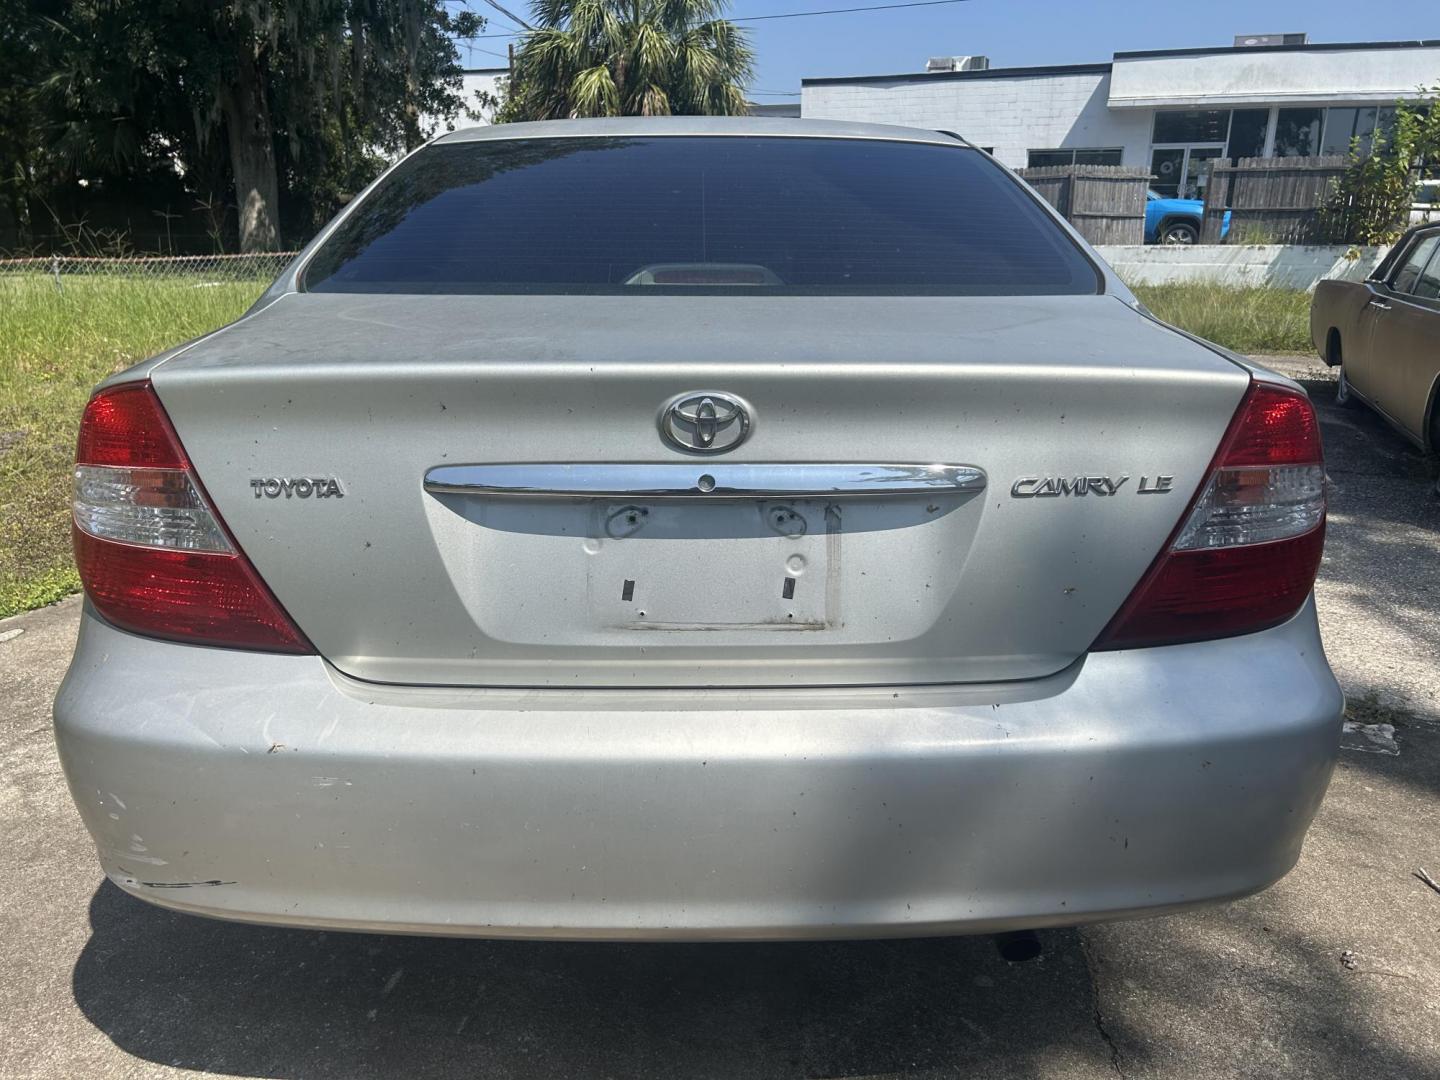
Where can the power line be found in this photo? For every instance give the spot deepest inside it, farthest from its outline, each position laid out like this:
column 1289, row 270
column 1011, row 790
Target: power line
column 846, row 11
column 795, row 14
column 513, row 18
column 487, row 52
column 476, row 48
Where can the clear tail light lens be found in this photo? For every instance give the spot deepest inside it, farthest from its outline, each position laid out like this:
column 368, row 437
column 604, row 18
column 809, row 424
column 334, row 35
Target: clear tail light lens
column 157, row 508
column 152, row 553
column 1255, row 506
column 1247, row 552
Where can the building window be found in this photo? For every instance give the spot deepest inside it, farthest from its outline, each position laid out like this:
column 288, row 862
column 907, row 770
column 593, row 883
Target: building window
column 1191, row 126
column 1346, row 125
column 1247, row 133
column 1077, row 156
column 1297, row 132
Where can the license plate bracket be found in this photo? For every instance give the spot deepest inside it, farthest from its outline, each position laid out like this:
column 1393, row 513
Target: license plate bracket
column 697, row 566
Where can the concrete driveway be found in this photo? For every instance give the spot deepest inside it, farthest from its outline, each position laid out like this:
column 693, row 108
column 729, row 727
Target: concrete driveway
column 1335, row 972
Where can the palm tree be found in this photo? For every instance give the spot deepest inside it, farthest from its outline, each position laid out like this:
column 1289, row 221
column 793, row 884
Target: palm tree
column 629, row 58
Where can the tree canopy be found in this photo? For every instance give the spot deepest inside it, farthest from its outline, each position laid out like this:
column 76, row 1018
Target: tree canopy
column 629, row 58
column 272, row 109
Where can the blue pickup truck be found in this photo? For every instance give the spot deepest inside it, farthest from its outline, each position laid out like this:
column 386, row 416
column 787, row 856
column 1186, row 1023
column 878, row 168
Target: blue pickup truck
column 1176, row 221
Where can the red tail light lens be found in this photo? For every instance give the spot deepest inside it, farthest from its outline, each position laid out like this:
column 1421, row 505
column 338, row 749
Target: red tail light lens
column 126, row 427
column 152, row 553
column 1247, row 551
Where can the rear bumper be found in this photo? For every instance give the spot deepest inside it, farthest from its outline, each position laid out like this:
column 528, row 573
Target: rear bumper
column 273, row 789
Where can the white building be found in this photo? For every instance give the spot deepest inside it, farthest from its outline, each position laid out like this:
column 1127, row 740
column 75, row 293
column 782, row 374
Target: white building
column 484, row 81
column 1170, row 111
column 473, row 82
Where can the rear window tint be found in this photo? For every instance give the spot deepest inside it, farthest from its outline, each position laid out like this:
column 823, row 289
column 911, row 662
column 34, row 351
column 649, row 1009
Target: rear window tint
column 686, row 214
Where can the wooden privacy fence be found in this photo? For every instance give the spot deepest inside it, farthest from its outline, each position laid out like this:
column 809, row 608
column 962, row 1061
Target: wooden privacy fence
column 1273, row 200
column 1106, row 203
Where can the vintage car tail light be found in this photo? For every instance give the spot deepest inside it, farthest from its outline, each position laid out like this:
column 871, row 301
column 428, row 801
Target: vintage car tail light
column 153, row 555
column 1247, row 551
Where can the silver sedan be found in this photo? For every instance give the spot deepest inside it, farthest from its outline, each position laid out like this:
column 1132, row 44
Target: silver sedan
column 697, row 528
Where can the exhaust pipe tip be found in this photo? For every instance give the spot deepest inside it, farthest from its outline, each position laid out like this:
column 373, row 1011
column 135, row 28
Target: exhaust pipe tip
column 1019, row 946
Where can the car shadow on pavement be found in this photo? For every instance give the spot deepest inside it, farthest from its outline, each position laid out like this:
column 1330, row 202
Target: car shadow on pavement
column 1221, row 992
column 200, row 994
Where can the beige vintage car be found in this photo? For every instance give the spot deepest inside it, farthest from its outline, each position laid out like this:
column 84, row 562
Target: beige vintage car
column 1384, row 335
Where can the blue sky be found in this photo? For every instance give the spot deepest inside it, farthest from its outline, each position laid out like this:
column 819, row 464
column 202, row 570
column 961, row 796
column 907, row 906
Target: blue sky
column 1019, row 33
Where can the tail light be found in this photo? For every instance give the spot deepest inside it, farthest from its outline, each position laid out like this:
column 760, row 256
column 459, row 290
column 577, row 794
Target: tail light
column 1246, row 554
column 154, row 556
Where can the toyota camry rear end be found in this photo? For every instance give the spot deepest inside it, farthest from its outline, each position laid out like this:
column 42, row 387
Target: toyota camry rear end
column 697, row 528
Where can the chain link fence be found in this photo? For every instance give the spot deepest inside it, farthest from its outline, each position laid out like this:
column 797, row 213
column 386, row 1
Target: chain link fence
column 193, row 270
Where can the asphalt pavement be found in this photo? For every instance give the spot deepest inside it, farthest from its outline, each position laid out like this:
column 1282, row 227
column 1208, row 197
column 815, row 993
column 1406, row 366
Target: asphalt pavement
column 1334, row 972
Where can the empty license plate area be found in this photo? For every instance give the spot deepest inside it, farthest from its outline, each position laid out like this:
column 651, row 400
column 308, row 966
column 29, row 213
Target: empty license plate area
column 694, row 565
column 559, row 576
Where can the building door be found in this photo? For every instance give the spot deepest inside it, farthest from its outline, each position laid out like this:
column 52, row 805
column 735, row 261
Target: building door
column 1183, row 172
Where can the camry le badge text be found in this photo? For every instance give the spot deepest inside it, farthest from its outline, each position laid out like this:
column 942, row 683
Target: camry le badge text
column 1051, row 487
column 296, row 487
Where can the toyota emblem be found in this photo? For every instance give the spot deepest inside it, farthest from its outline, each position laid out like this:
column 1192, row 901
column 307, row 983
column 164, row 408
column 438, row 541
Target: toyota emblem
column 705, row 422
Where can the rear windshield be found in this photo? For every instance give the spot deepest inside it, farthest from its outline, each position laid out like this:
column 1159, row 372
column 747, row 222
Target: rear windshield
column 712, row 214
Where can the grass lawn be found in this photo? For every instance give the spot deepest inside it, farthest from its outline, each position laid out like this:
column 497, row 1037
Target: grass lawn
column 55, row 346
column 1250, row 319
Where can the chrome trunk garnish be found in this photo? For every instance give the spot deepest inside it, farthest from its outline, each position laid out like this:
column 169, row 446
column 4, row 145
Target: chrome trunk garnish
column 682, row 480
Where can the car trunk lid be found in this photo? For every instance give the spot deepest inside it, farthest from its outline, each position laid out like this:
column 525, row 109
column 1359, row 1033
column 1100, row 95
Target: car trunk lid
column 315, row 423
